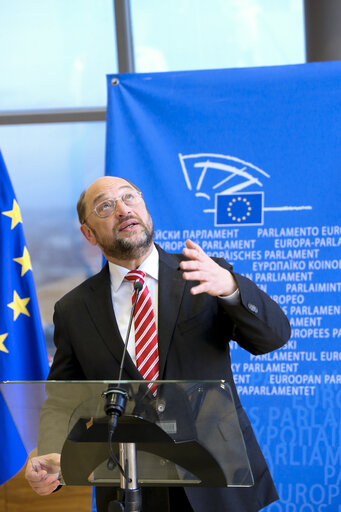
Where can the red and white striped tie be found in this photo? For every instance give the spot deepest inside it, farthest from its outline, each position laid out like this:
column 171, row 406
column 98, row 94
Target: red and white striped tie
column 146, row 347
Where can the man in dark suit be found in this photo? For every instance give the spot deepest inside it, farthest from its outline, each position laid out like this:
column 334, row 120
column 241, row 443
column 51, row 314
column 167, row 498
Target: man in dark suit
column 200, row 305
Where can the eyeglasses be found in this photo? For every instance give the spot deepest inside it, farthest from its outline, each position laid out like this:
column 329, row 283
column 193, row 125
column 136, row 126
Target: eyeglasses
column 107, row 207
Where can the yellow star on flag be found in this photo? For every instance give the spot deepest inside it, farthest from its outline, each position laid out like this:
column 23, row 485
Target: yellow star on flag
column 24, row 261
column 14, row 214
column 19, row 305
column 2, row 346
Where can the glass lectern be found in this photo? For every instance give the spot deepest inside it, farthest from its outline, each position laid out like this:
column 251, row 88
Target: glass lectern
column 184, row 433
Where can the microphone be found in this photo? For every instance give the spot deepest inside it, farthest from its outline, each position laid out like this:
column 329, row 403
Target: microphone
column 116, row 397
column 137, row 287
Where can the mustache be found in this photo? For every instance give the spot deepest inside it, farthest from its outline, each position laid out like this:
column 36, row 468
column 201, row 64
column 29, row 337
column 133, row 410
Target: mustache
column 127, row 218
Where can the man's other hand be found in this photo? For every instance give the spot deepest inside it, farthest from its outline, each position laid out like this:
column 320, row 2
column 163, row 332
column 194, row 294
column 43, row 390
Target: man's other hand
column 42, row 473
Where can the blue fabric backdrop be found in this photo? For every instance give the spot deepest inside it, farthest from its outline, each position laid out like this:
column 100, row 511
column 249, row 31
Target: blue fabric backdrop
column 246, row 162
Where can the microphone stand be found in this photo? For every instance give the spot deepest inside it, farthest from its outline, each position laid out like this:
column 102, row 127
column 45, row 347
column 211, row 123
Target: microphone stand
column 115, row 404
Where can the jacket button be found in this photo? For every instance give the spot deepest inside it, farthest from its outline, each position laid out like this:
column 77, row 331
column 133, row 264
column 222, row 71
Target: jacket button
column 252, row 307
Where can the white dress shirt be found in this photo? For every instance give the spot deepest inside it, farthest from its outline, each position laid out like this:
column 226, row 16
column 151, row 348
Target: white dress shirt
column 122, row 291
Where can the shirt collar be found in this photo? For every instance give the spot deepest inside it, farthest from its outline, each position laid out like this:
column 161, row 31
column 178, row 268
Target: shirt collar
column 150, row 267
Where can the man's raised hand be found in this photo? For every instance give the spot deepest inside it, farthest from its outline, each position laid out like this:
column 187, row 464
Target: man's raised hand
column 213, row 279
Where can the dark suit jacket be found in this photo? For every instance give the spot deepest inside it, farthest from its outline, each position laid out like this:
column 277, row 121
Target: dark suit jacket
column 193, row 336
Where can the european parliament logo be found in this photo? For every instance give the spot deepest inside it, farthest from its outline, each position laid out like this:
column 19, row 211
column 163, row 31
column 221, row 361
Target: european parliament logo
column 221, row 183
column 241, row 209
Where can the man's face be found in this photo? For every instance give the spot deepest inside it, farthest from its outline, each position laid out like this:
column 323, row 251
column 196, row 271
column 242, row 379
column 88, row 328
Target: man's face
column 127, row 233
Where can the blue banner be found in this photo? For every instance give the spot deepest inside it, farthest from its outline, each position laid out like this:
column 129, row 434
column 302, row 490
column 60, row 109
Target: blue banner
column 22, row 346
column 246, row 162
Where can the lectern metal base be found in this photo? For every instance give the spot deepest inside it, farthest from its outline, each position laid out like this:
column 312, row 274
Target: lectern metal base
column 131, row 500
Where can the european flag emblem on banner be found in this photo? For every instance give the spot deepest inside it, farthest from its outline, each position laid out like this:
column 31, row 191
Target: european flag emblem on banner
column 23, row 353
column 239, row 209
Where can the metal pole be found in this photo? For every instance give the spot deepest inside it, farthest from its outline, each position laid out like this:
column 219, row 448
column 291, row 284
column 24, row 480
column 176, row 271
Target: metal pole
column 61, row 115
column 132, row 493
column 128, row 456
column 322, row 20
column 123, row 458
column 124, row 37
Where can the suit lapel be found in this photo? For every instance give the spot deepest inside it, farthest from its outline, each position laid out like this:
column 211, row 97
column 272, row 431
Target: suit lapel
column 99, row 304
column 171, row 289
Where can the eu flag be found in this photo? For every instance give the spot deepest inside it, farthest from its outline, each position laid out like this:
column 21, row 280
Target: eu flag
column 23, row 353
column 239, row 209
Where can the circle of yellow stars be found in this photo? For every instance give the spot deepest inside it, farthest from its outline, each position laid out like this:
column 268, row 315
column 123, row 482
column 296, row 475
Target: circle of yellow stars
column 18, row 304
column 239, row 201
